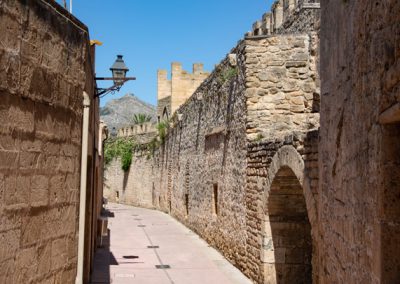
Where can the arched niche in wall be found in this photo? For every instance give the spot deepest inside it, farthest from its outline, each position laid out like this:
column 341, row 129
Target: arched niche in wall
column 289, row 212
column 165, row 115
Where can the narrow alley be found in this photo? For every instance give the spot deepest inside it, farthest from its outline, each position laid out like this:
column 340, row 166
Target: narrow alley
column 268, row 130
column 142, row 240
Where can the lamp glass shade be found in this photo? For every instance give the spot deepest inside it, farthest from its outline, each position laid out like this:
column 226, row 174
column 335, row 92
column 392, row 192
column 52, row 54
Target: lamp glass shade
column 119, row 70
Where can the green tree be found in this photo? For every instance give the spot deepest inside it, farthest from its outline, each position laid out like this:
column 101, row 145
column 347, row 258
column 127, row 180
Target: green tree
column 141, row 118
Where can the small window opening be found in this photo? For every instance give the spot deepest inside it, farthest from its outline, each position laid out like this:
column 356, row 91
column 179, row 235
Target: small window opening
column 187, row 204
column 215, row 198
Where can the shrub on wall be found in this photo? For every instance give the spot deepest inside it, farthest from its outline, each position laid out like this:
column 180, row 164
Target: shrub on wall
column 119, row 148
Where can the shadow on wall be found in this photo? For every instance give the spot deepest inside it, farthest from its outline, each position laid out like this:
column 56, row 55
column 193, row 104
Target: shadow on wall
column 310, row 185
column 125, row 181
column 316, row 103
column 390, row 203
column 199, row 125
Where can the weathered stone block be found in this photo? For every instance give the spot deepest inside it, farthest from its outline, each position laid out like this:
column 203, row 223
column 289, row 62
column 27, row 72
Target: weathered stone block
column 10, row 244
column 9, row 159
column 8, row 143
column 58, row 254
column 31, row 145
column 297, row 100
column 31, row 230
column 17, row 191
column 26, row 265
column 43, row 258
column 28, row 160
column 7, row 271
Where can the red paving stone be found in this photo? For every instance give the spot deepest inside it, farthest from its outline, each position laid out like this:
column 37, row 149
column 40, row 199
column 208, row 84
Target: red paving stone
column 125, row 257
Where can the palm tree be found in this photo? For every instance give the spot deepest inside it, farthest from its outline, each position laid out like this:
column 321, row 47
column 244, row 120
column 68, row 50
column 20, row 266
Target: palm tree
column 162, row 128
column 140, row 118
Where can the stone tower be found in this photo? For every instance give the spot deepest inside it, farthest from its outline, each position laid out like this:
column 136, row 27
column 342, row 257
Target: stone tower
column 171, row 94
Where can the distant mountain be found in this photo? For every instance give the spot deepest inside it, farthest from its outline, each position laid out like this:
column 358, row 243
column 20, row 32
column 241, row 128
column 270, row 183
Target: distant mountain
column 119, row 112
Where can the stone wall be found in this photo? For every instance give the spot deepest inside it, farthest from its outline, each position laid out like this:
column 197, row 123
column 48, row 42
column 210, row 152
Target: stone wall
column 201, row 175
column 359, row 156
column 141, row 133
column 269, row 232
column 289, row 17
column 239, row 164
column 214, row 175
column 124, row 187
column 282, row 85
column 45, row 65
column 304, row 19
column 204, row 151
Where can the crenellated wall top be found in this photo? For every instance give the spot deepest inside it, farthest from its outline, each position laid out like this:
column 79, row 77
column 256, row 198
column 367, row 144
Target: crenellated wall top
column 138, row 129
column 282, row 12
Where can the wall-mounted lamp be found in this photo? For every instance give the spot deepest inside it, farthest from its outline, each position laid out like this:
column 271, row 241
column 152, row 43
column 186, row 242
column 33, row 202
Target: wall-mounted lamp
column 118, row 70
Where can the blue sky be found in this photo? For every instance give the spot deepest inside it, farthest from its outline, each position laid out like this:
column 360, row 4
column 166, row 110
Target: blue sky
column 152, row 34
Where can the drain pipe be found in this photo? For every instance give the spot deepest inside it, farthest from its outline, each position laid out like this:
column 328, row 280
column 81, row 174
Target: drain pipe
column 82, row 199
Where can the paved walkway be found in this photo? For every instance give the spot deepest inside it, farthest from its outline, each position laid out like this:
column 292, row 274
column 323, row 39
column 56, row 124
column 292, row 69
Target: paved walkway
column 128, row 259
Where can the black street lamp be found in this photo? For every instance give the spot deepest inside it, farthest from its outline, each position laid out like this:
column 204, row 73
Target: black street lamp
column 118, row 70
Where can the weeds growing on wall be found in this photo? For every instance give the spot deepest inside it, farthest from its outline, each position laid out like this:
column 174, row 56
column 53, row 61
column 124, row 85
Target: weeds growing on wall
column 119, row 148
column 259, row 137
column 227, row 74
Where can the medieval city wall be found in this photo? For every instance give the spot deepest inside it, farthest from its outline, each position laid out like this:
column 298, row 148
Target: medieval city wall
column 201, row 175
column 250, row 130
column 359, row 154
column 134, row 187
column 204, row 149
column 44, row 69
column 141, row 133
column 217, row 155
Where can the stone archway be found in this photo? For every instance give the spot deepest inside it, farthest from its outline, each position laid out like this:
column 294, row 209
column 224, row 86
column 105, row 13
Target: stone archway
column 165, row 115
column 289, row 212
